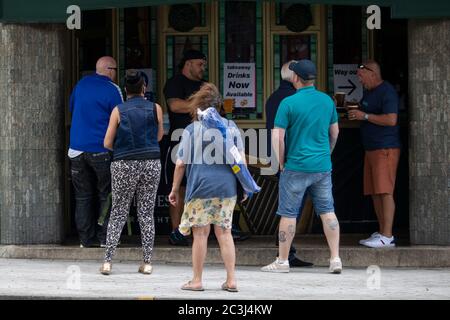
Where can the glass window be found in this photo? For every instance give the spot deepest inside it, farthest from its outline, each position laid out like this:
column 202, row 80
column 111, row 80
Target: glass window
column 138, row 44
column 240, row 31
column 137, row 38
column 176, row 45
column 241, row 42
column 95, row 39
column 292, row 47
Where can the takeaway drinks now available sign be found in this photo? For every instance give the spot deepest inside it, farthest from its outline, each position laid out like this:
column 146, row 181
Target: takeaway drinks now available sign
column 239, row 84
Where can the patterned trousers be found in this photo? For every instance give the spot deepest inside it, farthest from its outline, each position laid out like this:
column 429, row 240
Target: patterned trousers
column 130, row 178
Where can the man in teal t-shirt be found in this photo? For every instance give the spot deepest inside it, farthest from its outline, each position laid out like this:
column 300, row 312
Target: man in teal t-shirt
column 306, row 117
column 306, row 123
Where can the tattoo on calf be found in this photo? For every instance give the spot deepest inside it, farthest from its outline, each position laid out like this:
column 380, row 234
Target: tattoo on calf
column 291, row 230
column 333, row 224
column 282, row 236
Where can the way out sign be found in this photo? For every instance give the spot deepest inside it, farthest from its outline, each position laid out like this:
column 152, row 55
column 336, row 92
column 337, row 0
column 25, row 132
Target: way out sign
column 346, row 80
column 239, row 84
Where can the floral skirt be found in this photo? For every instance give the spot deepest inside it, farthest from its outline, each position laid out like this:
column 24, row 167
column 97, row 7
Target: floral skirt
column 203, row 212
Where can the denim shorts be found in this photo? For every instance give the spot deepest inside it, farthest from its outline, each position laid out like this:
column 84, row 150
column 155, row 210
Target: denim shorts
column 292, row 189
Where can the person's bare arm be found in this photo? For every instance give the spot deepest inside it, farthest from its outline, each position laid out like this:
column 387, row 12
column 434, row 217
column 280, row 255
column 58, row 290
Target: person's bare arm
column 114, row 119
column 278, row 145
column 333, row 134
column 174, row 196
column 178, row 105
column 386, row 120
column 159, row 114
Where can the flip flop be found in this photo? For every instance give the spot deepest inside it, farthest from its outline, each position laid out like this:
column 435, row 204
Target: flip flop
column 187, row 286
column 229, row 289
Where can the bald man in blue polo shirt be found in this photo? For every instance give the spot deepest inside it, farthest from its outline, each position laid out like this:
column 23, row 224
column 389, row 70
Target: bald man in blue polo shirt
column 91, row 103
column 306, row 128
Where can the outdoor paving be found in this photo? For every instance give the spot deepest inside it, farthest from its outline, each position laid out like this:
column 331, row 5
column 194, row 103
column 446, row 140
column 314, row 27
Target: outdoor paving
column 47, row 279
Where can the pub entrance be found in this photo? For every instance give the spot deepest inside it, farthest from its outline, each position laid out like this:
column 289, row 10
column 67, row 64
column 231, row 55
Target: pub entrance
column 146, row 39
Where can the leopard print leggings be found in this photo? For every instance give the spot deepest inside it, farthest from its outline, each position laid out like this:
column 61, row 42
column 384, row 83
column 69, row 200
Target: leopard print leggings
column 129, row 178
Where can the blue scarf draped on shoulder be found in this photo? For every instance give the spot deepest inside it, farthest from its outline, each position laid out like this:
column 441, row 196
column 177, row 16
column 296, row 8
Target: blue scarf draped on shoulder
column 211, row 119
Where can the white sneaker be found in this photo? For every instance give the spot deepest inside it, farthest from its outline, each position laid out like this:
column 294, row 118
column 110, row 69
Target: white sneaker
column 336, row 265
column 372, row 236
column 380, row 242
column 277, row 267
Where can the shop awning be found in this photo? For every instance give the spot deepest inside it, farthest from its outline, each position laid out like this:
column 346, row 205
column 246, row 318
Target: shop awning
column 29, row 11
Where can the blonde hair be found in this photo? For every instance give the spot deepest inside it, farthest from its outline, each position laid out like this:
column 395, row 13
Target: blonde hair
column 207, row 96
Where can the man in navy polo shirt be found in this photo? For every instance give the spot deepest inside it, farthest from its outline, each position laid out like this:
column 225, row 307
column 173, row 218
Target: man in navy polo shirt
column 91, row 103
column 381, row 140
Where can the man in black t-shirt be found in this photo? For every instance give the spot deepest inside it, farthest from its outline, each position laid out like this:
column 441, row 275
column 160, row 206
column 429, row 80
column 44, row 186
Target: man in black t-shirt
column 177, row 89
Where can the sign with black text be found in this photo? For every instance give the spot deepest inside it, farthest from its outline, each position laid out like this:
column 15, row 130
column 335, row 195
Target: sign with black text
column 239, row 84
column 346, row 81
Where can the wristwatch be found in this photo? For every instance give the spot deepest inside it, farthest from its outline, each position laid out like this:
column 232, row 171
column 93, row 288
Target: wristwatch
column 366, row 117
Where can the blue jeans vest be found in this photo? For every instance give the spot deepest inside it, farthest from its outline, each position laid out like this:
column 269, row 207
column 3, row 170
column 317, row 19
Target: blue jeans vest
column 137, row 134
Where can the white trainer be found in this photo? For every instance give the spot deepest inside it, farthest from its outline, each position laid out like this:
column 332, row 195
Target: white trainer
column 380, row 242
column 336, row 265
column 277, row 267
column 372, row 236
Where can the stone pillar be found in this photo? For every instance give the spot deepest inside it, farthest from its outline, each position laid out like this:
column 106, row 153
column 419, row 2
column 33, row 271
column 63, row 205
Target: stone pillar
column 31, row 133
column 429, row 154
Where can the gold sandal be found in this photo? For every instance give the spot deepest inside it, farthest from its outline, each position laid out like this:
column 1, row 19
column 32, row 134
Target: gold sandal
column 105, row 268
column 145, row 268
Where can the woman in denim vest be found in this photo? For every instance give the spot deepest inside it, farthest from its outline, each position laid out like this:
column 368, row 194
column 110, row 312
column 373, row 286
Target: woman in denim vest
column 135, row 127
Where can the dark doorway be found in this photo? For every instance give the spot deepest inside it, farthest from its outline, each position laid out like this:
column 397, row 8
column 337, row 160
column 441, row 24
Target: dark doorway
column 354, row 210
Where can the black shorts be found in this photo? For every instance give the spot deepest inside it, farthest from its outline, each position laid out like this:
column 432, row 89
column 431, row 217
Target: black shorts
column 169, row 170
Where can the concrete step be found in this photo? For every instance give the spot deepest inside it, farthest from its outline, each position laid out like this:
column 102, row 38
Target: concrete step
column 256, row 251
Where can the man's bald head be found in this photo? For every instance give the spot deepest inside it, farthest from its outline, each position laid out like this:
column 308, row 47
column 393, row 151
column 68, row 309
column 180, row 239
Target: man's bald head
column 369, row 74
column 374, row 66
column 107, row 66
